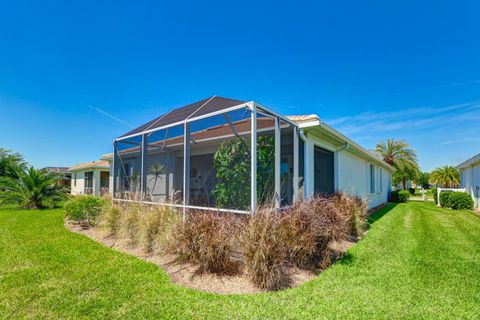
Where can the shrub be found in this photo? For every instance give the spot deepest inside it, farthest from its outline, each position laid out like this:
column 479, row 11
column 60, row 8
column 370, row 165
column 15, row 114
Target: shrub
column 206, row 239
column 444, row 198
column 354, row 210
column 399, row 196
column 85, row 209
column 411, row 190
column 265, row 257
column 460, row 201
column 434, row 194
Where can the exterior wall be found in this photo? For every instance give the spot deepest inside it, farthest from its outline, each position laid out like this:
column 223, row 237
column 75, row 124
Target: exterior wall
column 79, row 187
column 351, row 173
column 470, row 180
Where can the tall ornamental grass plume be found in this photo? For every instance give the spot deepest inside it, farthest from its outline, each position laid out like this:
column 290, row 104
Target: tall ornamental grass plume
column 263, row 246
column 155, row 228
column 206, row 239
column 309, row 226
column 354, row 210
column 129, row 223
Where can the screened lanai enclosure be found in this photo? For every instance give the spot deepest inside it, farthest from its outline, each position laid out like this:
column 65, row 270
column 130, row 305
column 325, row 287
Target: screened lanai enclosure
column 210, row 155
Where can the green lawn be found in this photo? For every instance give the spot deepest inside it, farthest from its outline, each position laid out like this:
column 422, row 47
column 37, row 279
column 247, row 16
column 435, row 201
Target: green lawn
column 417, row 261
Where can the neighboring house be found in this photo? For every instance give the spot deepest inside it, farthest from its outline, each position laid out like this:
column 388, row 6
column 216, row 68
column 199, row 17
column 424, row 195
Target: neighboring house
column 310, row 158
column 67, row 175
column 470, row 177
column 90, row 178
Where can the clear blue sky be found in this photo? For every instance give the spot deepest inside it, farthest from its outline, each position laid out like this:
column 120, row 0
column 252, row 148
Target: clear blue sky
column 372, row 69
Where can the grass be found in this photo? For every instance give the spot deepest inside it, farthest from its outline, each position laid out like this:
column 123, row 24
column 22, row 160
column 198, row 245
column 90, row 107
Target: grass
column 417, row 261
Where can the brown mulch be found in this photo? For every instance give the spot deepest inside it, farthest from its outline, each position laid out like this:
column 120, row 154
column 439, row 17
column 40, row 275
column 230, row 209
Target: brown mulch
column 186, row 274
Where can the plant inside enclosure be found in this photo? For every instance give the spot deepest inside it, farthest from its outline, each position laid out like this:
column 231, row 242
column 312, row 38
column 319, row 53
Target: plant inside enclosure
column 85, row 209
column 232, row 166
column 446, row 176
column 32, row 189
column 157, row 170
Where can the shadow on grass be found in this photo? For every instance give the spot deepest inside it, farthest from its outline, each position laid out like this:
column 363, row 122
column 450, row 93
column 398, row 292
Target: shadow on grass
column 380, row 213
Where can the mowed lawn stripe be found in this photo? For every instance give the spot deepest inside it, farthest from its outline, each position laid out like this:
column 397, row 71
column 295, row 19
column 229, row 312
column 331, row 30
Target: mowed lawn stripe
column 416, row 261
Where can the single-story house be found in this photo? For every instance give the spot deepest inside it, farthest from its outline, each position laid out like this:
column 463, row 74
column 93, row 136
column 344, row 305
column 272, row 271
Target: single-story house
column 213, row 140
column 90, row 178
column 470, row 177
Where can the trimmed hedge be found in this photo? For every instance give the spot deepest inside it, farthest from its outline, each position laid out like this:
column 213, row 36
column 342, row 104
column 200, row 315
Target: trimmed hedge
column 444, row 198
column 85, row 209
column 460, row 201
column 399, row 196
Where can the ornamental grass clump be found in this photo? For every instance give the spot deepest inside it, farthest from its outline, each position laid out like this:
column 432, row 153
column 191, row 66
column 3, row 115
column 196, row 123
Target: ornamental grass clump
column 155, row 228
column 353, row 210
column 264, row 251
column 309, row 227
column 129, row 223
column 207, row 240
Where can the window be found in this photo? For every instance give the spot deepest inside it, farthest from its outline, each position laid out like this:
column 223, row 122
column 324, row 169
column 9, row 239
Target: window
column 380, row 180
column 372, row 178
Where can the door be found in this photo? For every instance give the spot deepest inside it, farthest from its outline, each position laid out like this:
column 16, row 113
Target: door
column 323, row 171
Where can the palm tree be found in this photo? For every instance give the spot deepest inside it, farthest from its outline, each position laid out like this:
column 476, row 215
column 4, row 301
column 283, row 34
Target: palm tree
column 33, row 189
column 402, row 157
column 11, row 164
column 446, row 176
column 156, row 170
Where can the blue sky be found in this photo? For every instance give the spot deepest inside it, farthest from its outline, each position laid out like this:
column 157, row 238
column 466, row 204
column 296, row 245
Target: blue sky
column 73, row 76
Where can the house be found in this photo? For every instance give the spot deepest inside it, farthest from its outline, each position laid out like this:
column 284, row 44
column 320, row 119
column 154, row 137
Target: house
column 470, row 178
column 67, row 175
column 90, row 178
column 297, row 157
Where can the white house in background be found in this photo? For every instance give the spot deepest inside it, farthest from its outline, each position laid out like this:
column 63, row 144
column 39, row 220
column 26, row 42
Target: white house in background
column 470, row 177
column 90, row 178
column 309, row 158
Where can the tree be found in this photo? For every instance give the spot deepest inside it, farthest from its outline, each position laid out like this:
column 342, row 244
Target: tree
column 11, row 164
column 446, row 176
column 402, row 157
column 423, row 179
column 33, row 189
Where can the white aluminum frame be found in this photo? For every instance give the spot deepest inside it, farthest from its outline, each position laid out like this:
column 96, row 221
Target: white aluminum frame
column 254, row 109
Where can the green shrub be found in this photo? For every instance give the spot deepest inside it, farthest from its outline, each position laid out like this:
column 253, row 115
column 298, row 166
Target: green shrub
column 85, row 209
column 399, row 196
column 445, row 198
column 411, row 190
column 460, row 201
column 434, row 194
column 206, row 239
